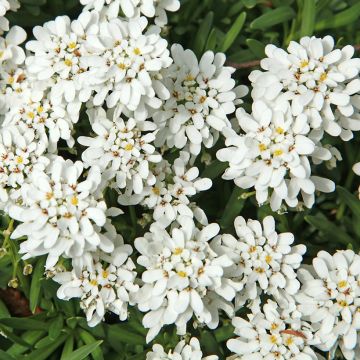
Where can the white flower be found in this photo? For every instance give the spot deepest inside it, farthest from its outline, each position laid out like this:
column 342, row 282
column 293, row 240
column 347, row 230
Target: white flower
column 330, row 300
column 273, row 155
column 273, row 334
column 264, row 261
column 169, row 195
column 50, row 121
column 123, row 65
column 182, row 351
column 58, row 54
column 124, row 150
column 108, row 285
column 60, row 214
column 321, row 82
column 202, row 96
column 9, row 49
column 20, row 154
column 5, row 6
column 181, row 272
column 133, row 8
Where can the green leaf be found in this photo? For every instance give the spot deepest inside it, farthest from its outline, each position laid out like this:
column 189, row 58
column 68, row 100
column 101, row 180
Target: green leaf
column 56, row 326
column 328, row 228
column 5, row 356
column 87, row 338
column 273, row 17
column 350, row 200
column 4, row 312
column 84, row 351
column 308, row 18
column 233, row 208
column 34, row 2
column 22, row 323
column 31, row 337
column 121, row 333
column 211, row 41
column 68, row 348
column 234, row 31
column 14, row 338
column 342, row 18
column 215, row 169
column 256, row 47
column 35, row 286
column 44, row 353
column 203, row 33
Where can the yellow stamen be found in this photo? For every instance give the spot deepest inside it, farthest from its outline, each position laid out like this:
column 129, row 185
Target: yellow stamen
column 156, row 191
column 122, row 66
column 342, row 303
column 177, row 251
column 93, row 282
column 105, row 274
column 262, row 147
column 273, row 339
column 72, row 45
column 278, row 152
column 40, row 109
column 252, row 249
column 189, row 77
column 137, row 51
column 129, row 147
column 31, row 115
column 182, row 273
column 342, row 283
column 289, row 341
column 280, row 130
column 11, row 80
column 68, row 62
column 304, row 63
column 268, row 259
column 19, row 159
column 274, row 326
column 49, row 195
column 74, row 201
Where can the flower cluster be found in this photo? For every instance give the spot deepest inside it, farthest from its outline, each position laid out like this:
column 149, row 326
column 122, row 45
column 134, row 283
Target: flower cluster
column 298, row 97
column 106, row 284
column 182, row 351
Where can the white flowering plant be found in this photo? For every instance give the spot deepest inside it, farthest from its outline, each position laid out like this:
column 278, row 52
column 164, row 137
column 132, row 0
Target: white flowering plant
column 179, row 180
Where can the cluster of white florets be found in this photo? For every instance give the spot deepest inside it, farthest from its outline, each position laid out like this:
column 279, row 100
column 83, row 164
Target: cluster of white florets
column 151, row 114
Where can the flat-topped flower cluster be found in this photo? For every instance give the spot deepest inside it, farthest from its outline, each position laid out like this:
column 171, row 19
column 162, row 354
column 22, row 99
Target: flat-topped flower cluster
column 153, row 115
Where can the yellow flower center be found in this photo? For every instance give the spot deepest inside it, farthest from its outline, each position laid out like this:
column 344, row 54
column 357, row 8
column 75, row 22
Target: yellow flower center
column 278, row 152
column 342, row 303
column 31, row 115
column 105, row 274
column 280, row 130
column 342, row 284
column 273, row 339
column 68, row 62
column 137, row 51
column 274, row 326
column 129, row 147
column 49, row 195
column 262, row 147
column 72, row 45
column 304, row 63
column 268, row 259
column 178, row 251
column 74, row 201
column 19, row 159
column 289, row 341
column 182, row 273
column 11, row 80
column 189, row 77
column 122, row 66
column 93, row 282
column 156, row 191
column 323, row 76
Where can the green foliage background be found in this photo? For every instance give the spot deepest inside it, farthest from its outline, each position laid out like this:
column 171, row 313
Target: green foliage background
column 240, row 28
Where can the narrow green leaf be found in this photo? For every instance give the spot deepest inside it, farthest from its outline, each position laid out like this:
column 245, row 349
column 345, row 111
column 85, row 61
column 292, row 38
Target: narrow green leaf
column 35, row 286
column 22, row 323
column 14, row 338
column 120, row 333
column 84, row 351
column 87, row 338
column 68, row 348
column 56, row 326
column 342, row 18
column 308, row 18
column 234, row 31
column 215, row 169
column 211, row 41
column 4, row 312
column 31, row 337
column 321, row 223
column 350, row 200
column 44, row 353
column 256, row 47
column 203, row 33
column 273, row 17
column 233, row 208
column 5, row 356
